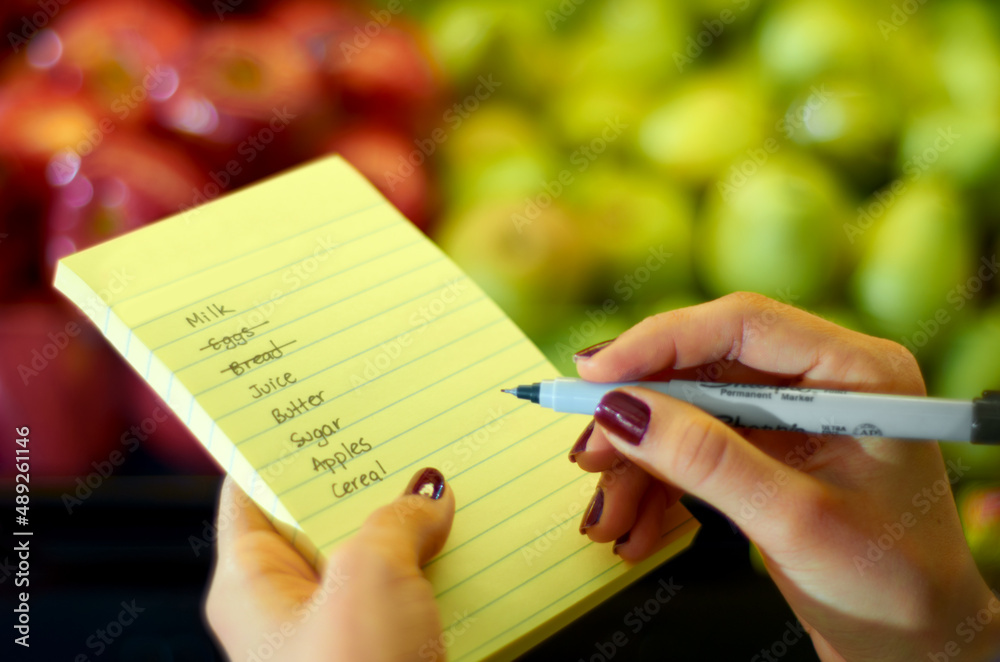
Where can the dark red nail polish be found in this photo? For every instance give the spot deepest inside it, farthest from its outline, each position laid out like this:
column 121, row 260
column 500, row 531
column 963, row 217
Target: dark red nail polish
column 587, row 352
column 581, row 443
column 594, row 511
column 623, row 415
column 622, row 539
column 427, row 482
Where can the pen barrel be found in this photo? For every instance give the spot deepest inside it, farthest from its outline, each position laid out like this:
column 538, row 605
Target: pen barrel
column 814, row 411
column 821, row 411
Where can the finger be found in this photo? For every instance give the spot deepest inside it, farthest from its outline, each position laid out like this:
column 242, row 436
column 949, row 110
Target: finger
column 760, row 333
column 593, row 452
column 680, row 444
column 612, row 512
column 645, row 536
column 413, row 528
column 258, row 578
column 237, row 517
column 376, row 588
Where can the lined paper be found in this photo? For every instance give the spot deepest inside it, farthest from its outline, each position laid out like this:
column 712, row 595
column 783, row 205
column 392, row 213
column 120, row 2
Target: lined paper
column 323, row 350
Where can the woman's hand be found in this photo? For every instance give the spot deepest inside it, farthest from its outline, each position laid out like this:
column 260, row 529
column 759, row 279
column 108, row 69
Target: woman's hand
column 371, row 601
column 862, row 536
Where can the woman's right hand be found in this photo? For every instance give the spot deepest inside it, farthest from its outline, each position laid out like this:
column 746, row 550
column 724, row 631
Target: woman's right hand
column 861, row 535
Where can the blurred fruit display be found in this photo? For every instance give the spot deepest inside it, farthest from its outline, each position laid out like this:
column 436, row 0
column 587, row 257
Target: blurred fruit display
column 841, row 156
column 979, row 507
column 115, row 114
column 589, row 163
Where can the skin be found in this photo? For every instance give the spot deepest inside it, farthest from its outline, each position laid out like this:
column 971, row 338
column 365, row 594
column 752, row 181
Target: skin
column 821, row 500
column 372, row 602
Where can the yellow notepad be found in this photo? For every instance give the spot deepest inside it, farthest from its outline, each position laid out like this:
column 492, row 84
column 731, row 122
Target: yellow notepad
column 323, row 350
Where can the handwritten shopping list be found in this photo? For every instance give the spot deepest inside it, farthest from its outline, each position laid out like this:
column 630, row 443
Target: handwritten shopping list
column 323, row 350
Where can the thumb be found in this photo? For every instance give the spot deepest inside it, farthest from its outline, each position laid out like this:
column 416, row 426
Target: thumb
column 680, row 444
column 413, row 528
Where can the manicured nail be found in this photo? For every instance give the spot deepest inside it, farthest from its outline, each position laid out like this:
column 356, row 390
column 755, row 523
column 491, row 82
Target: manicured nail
column 590, row 351
column 593, row 515
column 622, row 539
column 624, row 415
column 427, row 482
column 581, row 443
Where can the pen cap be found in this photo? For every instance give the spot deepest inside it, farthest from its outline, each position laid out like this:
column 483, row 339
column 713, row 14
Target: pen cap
column 986, row 418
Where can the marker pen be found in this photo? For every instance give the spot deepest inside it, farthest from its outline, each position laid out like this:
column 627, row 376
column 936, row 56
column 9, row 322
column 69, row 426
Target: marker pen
column 810, row 410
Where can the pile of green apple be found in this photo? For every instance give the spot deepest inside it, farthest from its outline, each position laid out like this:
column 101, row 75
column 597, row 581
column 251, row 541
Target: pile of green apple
column 842, row 156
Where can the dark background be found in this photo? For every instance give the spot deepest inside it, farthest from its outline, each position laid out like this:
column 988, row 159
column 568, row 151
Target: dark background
column 131, row 541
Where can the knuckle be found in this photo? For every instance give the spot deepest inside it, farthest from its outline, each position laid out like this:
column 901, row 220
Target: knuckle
column 652, row 321
column 891, row 365
column 904, row 364
column 752, row 301
column 699, row 451
column 813, row 508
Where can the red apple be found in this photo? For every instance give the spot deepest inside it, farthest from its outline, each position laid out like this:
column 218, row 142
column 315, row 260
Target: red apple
column 36, row 122
column 123, row 54
column 54, row 379
column 383, row 70
column 127, row 182
column 241, row 85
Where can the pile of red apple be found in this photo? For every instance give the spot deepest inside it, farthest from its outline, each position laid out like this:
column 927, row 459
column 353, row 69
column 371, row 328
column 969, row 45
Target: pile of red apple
column 115, row 113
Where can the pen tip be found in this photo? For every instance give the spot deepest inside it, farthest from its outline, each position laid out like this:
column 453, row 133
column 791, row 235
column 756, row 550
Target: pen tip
column 508, row 390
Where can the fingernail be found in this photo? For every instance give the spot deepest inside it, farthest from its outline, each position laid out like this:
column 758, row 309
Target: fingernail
column 623, row 415
column 427, row 482
column 581, row 443
column 590, row 351
column 593, row 515
column 622, row 539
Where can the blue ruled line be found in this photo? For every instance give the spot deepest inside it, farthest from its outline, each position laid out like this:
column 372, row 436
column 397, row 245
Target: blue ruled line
column 251, row 252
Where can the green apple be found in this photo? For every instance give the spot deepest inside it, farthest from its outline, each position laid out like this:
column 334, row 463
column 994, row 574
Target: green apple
column 963, row 145
column 638, row 227
column 579, row 113
column 914, row 254
column 632, row 42
column 529, row 58
column 460, row 35
column 519, row 263
column 979, row 508
column 729, row 12
column 971, row 362
column 773, row 225
column 574, row 327
column 703, row 124
column 967, row 53
column 908, row 59
column 497, row 152
column 494, row 130
column 799, row 40
column 848, row 118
